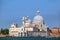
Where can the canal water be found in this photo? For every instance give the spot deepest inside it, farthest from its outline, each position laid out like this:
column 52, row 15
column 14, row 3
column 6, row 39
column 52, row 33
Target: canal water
column 28, row 38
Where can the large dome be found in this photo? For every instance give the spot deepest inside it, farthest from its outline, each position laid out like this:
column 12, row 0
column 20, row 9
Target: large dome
column 39, row 18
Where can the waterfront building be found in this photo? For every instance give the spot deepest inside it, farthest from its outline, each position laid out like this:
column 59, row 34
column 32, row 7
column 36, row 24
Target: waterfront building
column 55, row 32
column 29, row 28
column 13, row 31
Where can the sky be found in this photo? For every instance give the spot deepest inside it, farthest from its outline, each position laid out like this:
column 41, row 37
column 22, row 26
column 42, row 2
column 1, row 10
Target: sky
column 12, row 11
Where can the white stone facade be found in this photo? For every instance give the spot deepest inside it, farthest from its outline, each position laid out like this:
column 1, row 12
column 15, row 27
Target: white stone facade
column 19, row 31
column 26, row 27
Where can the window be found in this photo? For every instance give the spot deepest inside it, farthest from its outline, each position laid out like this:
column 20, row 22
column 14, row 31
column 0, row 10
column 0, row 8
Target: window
column 41, row 25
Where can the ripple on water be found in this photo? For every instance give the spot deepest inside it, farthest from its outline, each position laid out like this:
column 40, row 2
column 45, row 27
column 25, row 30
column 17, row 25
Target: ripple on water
column 28, row 38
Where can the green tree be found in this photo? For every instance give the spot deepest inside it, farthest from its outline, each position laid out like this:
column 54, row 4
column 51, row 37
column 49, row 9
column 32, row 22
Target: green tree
column 5, row 31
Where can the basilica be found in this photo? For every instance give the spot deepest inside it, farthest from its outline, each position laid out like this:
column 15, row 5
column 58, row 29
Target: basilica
column 30, row 28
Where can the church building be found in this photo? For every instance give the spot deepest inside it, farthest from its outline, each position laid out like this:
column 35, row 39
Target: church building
column 29, row 28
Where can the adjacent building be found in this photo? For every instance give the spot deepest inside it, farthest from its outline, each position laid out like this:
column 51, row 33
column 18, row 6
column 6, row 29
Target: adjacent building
column 55, row 32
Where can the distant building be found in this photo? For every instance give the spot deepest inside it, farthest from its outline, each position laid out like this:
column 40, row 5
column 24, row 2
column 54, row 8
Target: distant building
column 55, row 32
column 29, row 28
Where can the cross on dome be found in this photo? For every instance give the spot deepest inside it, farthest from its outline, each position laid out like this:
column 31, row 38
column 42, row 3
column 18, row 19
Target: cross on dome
column 38, row 12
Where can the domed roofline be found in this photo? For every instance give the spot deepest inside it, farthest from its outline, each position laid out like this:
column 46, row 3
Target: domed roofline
column 38, row 16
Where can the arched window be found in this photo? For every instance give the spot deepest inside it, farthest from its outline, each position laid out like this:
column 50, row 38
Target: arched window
column 41, row 25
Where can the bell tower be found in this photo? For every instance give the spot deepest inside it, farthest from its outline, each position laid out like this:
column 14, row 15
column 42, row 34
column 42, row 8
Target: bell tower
column 26, row 21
